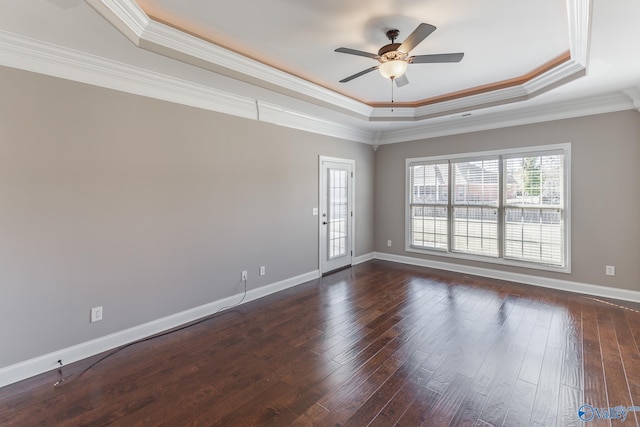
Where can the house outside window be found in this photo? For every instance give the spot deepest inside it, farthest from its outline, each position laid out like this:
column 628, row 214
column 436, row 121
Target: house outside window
column 508, row 206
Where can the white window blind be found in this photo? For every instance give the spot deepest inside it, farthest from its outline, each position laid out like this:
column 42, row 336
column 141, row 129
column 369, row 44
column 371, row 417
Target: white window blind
column 475, row 206
column 507, row 206
column 429, row 187
column 534, row 214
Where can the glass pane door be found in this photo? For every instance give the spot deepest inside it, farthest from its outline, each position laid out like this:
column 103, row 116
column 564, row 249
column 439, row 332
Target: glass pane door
column 336, row 223
column 338, row 212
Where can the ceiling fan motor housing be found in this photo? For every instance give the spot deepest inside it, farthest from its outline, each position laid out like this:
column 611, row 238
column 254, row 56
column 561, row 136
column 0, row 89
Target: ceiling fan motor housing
column 390, row 52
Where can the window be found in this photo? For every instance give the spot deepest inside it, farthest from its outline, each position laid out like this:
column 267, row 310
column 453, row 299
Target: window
column 475, row 206
column 508, row 206
column 429, row 205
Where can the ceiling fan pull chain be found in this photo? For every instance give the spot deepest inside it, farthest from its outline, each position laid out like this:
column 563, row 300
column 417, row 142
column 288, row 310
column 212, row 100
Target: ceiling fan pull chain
column 391, row 94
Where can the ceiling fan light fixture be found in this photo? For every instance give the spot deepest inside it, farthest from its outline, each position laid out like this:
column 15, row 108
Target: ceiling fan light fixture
column 394, row 57
column 393, row 69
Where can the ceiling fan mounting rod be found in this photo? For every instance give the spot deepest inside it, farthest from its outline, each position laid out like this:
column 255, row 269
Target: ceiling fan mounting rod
column 390, row 51
column 393, row 35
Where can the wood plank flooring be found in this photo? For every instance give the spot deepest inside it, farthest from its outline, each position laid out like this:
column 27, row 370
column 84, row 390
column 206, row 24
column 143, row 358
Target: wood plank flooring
column 380, row 344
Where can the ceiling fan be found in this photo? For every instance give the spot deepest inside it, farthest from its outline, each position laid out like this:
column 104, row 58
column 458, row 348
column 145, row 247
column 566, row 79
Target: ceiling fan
column 394, row 58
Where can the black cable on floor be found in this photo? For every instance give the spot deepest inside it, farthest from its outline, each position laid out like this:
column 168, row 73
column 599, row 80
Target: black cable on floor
column 141, row 340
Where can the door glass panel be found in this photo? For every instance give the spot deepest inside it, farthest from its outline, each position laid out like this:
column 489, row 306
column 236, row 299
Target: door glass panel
column 338, row 212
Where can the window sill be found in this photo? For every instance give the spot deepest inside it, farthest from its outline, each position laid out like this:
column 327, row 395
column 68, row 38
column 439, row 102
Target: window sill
column 491, row 260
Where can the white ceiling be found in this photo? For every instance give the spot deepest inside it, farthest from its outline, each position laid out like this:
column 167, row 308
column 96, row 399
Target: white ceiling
column 280, row 54
column 500, row 38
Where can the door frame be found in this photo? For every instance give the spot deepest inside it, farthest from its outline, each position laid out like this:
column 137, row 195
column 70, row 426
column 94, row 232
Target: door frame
column 322, row 202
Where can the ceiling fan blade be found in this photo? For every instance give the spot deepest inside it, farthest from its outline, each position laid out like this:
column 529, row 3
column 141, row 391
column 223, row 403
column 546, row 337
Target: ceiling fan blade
column 433, row 59
column 401, row 81
column 361, row 73
column 420, row 33
column 356, row 52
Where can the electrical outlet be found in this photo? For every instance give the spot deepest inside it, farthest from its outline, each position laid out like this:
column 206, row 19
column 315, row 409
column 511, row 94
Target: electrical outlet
column 610, row 270
column 96, row 314
column 263, row 270
column 243, row 276
column 389, row 243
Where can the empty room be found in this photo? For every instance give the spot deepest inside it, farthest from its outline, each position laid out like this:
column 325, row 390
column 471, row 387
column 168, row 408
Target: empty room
column 319, row 213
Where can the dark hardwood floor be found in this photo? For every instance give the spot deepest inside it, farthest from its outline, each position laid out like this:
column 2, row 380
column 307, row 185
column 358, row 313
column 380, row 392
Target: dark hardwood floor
column 379, row 344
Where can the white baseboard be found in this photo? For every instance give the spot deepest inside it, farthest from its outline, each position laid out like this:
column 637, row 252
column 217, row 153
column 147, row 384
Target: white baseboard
column 38, row 365
column 363, row 258
column 47, row 362
column 546, row 282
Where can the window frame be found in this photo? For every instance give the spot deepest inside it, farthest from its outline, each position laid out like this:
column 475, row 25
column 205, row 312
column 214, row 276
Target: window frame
column 454, row 205
column 564, row 148
column 411, row 204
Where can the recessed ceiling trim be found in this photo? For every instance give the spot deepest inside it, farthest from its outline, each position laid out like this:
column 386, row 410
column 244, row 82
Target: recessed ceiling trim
column 176, row 44
column 560, row 74
column 452, row 106
column 169, row 41
column 126, row 16
column 579, row 13
column 23, row 53
column 488, row 88
column 18, row 51
column 580, row 25
column 634, row 95
column 41, row 57
column 565, row 71
column 473, row 102
column 487, row 120
column 278, row 115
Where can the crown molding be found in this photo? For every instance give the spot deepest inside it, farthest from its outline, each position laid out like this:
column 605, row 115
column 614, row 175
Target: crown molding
column 275, row 114
column 174, row 43
column 460, row 124
column 20, row 52
column 445, row 118
column 17, row 51
column 125, row 15
column 159, row 38
column 579, row 14
column 453, row 106
column 555, row 77
column 634, row 95
column 45, row 58
column 163, row 39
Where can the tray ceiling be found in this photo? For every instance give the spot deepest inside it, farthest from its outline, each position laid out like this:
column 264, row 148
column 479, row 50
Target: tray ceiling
column 511, row 53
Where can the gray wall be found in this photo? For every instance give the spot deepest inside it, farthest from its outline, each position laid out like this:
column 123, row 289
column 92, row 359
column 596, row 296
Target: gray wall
column 150, row 208
column 147, row 208
column 605, row 193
